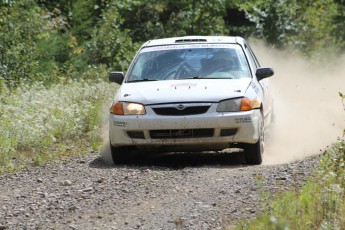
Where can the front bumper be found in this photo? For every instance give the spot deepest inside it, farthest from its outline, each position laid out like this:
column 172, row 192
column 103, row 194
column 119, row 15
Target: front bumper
column 213, row 129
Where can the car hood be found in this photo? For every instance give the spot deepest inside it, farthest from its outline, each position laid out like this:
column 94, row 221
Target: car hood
column 191, row 90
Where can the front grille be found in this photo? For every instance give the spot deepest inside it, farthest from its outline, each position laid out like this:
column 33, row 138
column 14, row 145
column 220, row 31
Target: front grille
column 174, row 111
column 181, row 133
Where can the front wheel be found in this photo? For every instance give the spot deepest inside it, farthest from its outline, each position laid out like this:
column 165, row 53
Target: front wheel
column 253, row 152
column 120, row 155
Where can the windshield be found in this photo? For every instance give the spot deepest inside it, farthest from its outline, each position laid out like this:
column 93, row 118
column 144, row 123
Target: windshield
column 189, row 61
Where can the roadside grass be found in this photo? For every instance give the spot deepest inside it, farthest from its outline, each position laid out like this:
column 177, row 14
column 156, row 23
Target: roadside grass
column 40, row 124
column 319, row 204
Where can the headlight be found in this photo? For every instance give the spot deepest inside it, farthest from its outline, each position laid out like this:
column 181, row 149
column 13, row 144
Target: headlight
column 127, row 108
column 239, row 104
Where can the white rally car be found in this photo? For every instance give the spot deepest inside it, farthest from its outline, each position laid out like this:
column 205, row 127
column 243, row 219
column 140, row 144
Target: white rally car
column 196, row 93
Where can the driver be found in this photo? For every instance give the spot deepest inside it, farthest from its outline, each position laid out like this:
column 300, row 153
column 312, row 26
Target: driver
column 219, row 62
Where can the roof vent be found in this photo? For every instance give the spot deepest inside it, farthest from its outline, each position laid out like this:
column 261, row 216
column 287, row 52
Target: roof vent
column 191, row 40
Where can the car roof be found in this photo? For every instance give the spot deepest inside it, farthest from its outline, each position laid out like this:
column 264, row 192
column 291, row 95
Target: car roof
column 194, row 40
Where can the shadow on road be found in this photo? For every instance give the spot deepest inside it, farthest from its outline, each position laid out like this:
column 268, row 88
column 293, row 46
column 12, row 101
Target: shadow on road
column 177, row 160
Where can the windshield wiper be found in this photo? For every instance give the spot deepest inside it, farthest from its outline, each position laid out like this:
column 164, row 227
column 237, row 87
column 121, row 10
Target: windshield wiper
column 201, row 77
column 195, row 77
column 139, row 80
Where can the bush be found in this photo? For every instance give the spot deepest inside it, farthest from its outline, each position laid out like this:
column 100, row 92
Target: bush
column 320, row 204
column 35, row 120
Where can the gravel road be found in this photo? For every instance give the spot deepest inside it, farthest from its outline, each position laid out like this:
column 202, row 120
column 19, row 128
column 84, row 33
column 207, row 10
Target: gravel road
column 172, row 191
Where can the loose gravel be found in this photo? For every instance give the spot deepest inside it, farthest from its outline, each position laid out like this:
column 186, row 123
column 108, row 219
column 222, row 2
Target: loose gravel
column 171, row 191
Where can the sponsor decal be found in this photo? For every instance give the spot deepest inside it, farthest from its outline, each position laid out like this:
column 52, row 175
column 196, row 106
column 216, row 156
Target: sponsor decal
column 185, row 46
column 243, row 119
column 120, row 123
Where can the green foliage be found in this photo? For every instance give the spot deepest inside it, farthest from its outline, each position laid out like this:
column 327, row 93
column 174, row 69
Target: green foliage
column 44, row 40
column 275, row 20
column 303, row 25
column 84, row 15
column 20, row 28
column 63, row 6
column 339, row 32
column 35, row 120
column 157, row 19
column 44, row 43
column 319, row 204
column 109, row 44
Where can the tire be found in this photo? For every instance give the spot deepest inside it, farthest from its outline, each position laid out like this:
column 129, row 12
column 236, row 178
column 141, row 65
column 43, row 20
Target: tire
column 120, row 155
column 253, row 152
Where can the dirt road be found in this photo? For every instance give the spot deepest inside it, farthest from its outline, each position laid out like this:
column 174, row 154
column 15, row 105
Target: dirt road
column 180, row 191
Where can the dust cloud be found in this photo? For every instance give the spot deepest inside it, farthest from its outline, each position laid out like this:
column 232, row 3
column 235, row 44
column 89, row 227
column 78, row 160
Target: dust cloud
column 105, row 151
column 308, row 113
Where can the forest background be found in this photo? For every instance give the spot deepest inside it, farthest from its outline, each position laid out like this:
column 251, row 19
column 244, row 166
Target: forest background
column 50, row 41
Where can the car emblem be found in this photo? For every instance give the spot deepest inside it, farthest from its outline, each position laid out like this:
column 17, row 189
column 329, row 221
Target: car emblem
column 180, row 107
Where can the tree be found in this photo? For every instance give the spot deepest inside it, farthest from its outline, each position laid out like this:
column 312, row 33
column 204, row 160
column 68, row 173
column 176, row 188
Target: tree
column 110, row 44
column 158, row 18
column 339, row 20
column 305, row 25
column 20, row 29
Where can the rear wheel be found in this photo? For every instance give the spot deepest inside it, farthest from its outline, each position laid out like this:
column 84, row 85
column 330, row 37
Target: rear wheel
column 253, row 152
column 120, row 155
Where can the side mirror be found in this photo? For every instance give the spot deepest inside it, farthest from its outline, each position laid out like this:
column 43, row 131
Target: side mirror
column 264, row 72
column 116, row 77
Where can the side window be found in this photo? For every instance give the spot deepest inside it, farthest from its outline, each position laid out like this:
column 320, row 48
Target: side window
column 250, row 58
column 257, row 64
